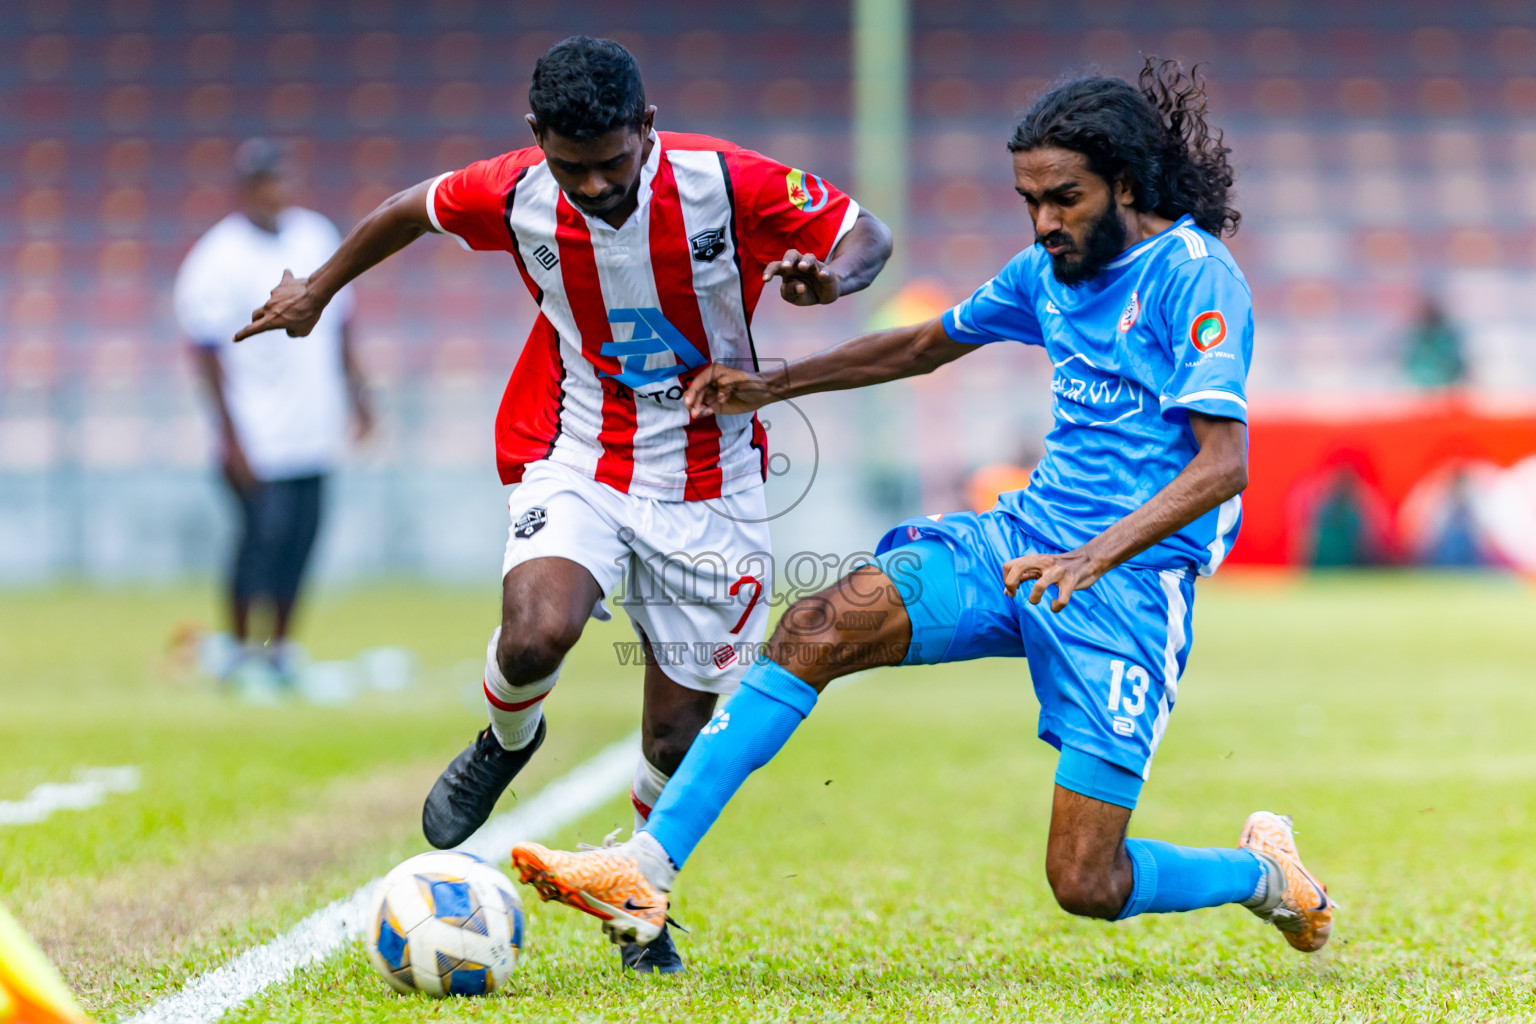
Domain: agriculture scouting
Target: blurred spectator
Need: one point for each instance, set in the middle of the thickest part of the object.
(1433, 358)
(1349, 526)
(1456, 542)
(280, 403)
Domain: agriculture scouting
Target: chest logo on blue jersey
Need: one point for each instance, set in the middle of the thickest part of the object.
(1091, 397)
(653, 334)
(1131, 314)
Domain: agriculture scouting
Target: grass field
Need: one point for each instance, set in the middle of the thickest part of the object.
(888, 866)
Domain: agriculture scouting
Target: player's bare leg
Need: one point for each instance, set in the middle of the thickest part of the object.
(1094, 872)
(860, 622)
(545, 605)
(1085, 858)
(857, 623)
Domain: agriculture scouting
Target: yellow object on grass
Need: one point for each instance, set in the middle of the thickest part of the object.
(31, 991)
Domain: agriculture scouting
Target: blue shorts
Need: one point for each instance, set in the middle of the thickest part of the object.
(1105, 669)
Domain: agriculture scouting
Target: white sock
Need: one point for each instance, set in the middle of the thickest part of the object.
(515, 711)
(655, 865)
(1267, 894)
(644, 789)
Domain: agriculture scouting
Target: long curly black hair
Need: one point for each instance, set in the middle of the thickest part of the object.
(1153, 135)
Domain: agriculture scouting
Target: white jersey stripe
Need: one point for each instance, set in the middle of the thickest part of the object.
(706, 208)
(581, 414)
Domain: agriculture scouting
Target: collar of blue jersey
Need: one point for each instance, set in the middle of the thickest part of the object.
(1140, 249)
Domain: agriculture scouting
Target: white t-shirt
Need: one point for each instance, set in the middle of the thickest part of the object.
(287, 397)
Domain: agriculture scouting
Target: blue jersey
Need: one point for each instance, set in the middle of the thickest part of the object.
(1166, 328)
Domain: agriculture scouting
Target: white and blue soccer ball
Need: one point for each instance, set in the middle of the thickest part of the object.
(446, 924)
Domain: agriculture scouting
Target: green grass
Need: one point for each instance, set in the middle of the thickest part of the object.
(890, 864)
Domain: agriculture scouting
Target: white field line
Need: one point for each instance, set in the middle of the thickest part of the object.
(91, 787)
(207, 997)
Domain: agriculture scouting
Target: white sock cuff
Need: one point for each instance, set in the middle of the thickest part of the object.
(645, 788)
(496, 683)
(514, 711)
(648, 781)
(653, 860)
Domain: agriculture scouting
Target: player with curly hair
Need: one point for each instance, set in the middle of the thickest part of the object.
(1088, 572)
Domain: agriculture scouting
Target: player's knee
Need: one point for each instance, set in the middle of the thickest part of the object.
(817, 636)
(525, 654)
(1085, 893)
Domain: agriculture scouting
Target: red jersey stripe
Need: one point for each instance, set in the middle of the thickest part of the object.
(528, 419)
(616, 465)
(672, 267)
(527, 427)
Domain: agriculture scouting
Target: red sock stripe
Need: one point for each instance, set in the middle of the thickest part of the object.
(520, 705)
(640, 807)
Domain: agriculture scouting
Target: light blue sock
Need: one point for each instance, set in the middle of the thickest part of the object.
(1172, 878)
(742, 737)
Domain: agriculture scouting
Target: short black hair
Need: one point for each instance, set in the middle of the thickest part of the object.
(585, 87)
(1153, 135)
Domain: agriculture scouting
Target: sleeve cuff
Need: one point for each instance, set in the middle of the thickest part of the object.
(437, 225)
(1212, 401)
(958, 327)
(849, 216)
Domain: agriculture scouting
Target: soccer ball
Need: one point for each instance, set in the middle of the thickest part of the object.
(446, 924)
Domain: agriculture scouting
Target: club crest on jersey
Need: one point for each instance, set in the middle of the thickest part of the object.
(530, 522)
(1131, 314)
(653, 334)
(807, 192)
(708, 245)
(1208, 330)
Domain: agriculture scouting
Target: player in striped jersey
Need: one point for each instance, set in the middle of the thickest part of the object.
(1088, 572)
(646, 252)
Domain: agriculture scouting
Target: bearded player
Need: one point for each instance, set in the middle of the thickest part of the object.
(1088, 572)
(646, 253)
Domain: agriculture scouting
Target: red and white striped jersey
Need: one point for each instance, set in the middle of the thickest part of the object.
(627, 315)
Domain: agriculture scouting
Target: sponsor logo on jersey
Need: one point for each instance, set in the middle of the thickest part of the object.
(708, 245)
(1093, 397)
(1208, 330)
(653, 334)
(724, 656)
(530, 522)
(1131, 313)
(807, 192)
(545, 257)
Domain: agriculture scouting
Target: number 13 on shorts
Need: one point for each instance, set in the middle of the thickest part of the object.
(1123, 705)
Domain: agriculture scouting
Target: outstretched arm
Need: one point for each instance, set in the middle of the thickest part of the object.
(1218, 472)
(858, 257)
(297, 302)
(857, 363)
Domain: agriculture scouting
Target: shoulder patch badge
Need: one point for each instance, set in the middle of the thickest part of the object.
(708, 245)
(1208, 330)
(807, 192)
(530, 522)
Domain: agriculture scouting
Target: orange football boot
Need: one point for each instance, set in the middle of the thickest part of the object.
(601, 882)
(1302, 909)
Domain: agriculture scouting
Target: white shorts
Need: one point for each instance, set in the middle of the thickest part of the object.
(697, 575)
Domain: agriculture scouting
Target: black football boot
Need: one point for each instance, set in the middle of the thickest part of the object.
(659, 956)
(467, 791)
